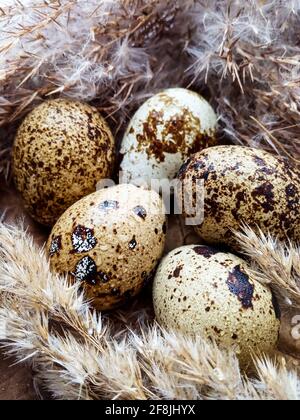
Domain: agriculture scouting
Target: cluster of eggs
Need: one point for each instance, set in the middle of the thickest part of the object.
(112, 240)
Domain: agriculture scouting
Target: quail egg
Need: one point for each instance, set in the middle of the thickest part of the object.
(243, 186)
(200, 290)
(111, 241)
(164, 132)
(62, 149)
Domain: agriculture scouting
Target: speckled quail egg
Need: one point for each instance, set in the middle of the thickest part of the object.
(200, 290)
(165, 130)
(111, 241)
(244, 185)
(62, 149)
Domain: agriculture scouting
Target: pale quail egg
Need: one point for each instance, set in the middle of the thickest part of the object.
(200, 290)
(164, 131)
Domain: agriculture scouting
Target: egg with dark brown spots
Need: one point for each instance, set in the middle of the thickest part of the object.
(200, 290)
(111, 242)
(61, 151)
(242, 185)
(165, 130)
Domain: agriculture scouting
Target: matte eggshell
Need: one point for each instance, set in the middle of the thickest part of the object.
(200, 290)
(244, 185)
(164, 132)
(62, 149)
(111, 241)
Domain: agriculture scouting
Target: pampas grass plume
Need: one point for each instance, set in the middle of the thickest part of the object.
(77, 354)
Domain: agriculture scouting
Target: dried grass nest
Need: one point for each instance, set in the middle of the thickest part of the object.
(245, 56)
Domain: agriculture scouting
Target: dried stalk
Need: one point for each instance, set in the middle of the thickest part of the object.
(77, 354)
(245, 55)
(273, 263)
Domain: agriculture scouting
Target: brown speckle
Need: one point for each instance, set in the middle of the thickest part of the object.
(177, 271)
(140, 211)
(103, 277)
(239, 284)
(184, 168)
(291, 190)
(55, 246)
(265, 191)
(178, 252)
(83, 239)
(205, 251)
(217, 330)
(133, 243)
(86, 270)
(175, 131)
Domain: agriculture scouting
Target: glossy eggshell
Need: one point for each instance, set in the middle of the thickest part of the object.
(244, 185)
(110, 241)
(165, 130)
(62, 149)
(200, 290)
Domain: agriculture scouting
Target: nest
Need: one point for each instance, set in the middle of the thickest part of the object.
(244, 57)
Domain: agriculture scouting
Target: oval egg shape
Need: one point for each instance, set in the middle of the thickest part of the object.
(61, 151)
(111, 242)
(200, 290)
(165, 130)
(243, 186)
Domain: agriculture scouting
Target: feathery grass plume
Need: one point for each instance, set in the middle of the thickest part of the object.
(274, 263)
(279, 382)
(248, 54)
(114, 53)
(21, 260)
(46, 320)
(118, 52)
(78, 354)
(107, 50)
(64, 365)
(180, 367)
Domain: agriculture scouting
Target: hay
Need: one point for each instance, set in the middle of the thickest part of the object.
(243, 55)
(78, 354)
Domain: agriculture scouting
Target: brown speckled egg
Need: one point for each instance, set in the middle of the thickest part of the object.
(165, 130)
(62, 149)
(111, 242)
(244, 185)
(199, 290)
